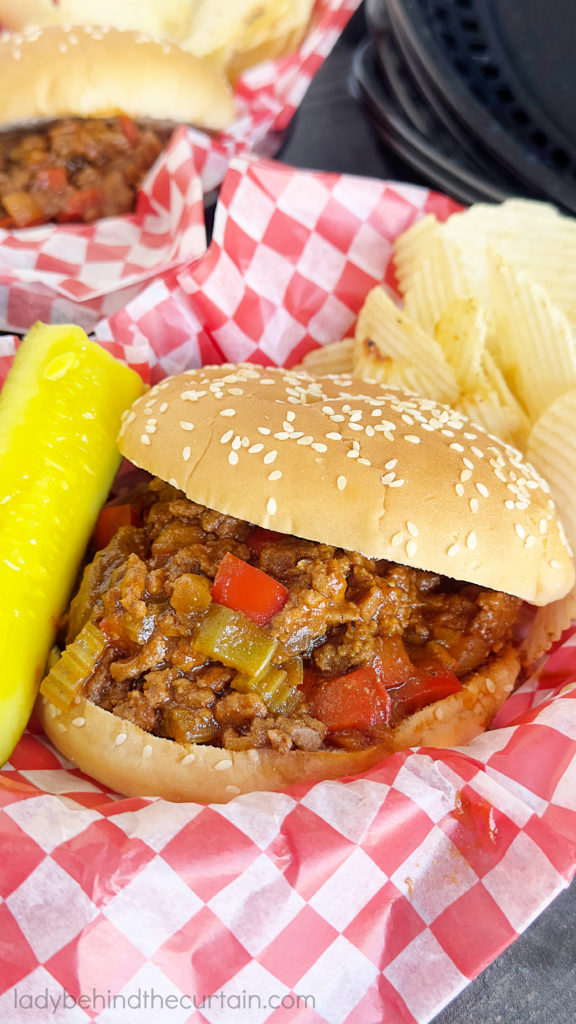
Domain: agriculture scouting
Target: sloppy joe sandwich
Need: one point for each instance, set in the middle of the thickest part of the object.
(317, 573)
(85, 112)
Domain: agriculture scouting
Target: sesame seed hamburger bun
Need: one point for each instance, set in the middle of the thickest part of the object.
(350, 464)
(101, 72)
(367, 468)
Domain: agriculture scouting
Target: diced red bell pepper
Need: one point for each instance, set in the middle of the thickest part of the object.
(244, 588)
(259, 538)
(81, 206)
(422, 688)
(53, 179)
(357, 700)
(128, 129)
(23, 209)
(111, 518)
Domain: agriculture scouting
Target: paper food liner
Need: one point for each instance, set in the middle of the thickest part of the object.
(366, 900)
(81, 273)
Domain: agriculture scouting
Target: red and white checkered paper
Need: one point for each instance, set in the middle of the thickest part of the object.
(81, 273)
(372, 900)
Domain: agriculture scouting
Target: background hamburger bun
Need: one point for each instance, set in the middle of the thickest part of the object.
(167, 19)
(128, 760)
(100, 72)
(358, 465)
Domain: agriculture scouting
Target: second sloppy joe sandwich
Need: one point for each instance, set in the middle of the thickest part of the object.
(320, 572)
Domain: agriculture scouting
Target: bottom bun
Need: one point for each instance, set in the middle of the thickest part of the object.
(126, 759)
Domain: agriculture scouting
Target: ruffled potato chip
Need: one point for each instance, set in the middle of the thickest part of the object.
(397, 339)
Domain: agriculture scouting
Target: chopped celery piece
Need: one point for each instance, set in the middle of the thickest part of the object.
(66, 677)
(187, 726)
(278, 695)
(60, 413)
(235, 640)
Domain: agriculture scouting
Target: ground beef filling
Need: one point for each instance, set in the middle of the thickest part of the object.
(75, 170)
(344, 611)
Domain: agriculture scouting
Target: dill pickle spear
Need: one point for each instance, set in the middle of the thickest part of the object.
(60, 412)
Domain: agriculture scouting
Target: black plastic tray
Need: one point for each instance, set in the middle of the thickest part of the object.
(426, 113)
(439, 38)
(444, 171)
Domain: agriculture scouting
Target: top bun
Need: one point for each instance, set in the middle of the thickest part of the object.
(358, 465)
(101, 72)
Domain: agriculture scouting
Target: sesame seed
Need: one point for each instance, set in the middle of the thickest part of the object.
(457, 447)
(412, 438)
(226, 437)
(490, 686)
(356, 426)
(439, 714)
(530, 541)
(471, 541)
(555, 564)
(145, 439)
(221, 766)
(319, 447)
(236, 443)
(79, 721)
(270, 456)
(391, 464)
(252, 754)
(227, 412)
(290, 415)
(188, 759)
(520, 531)
(185, 424)
(236, 391)
(327, 409)
(483, 490)
(411, 548)
(233, 458)
(474, 504)
(509, 503)
(271, 507)
(369, 431)
(341, 483)
(255, 448)
(543, 526)
(412, 529)
(305, 439)
(186, 452)
(173, 482)
(476, 451)
(364, 462)
(465, 475)
(283, 435)
(121, 738)
(453, 550)
(264, 430)
(146, 752)
(387, 478)
(355, 416)
(334, 436)
(336, 418)
(468, 463)
(276, 474)
(60, 726)
(397, 483)
(352, 454)
(163, 407)
(397, 540)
